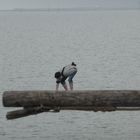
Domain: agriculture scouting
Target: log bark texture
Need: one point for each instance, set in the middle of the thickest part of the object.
(83, 98)
(25, 112)
(36, 110)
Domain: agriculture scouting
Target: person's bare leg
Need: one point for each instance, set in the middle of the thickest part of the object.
(71, 85)
(71, 80)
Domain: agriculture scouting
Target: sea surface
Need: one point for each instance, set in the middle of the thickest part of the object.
(105, 45)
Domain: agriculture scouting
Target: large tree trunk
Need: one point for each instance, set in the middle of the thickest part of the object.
(34, 102)
(83, 98)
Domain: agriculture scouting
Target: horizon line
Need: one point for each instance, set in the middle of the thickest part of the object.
(70, 9)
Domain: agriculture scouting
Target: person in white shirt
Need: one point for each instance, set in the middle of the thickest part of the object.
(69, 72)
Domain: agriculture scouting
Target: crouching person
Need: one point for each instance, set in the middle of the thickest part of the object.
(69, 72)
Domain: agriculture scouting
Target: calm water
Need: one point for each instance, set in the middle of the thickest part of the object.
(106, 47)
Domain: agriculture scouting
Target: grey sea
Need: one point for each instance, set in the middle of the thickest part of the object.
(105, 45)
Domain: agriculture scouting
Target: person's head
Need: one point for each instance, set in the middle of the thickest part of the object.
(57, 75)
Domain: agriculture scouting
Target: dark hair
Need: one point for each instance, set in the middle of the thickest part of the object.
(57, 75)
(73, 64)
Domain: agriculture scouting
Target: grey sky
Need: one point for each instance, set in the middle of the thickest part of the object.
(10, 4)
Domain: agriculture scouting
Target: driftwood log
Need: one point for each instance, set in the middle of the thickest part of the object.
(34, 102)
(71, 98)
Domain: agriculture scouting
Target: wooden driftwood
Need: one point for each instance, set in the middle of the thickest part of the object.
(34, 102)
(72, 98)
(36, 110)
(26, 112)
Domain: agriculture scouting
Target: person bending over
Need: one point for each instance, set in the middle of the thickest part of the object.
(69, 72)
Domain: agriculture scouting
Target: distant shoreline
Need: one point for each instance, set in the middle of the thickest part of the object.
(69, 9)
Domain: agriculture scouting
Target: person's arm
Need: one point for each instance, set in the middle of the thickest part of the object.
(65, 86)
(57, 86)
